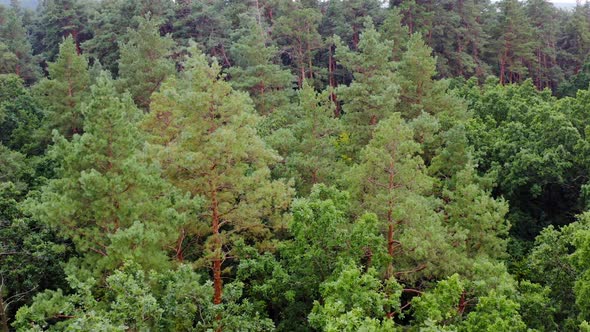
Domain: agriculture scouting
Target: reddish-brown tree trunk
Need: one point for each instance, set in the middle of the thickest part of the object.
(462, 304)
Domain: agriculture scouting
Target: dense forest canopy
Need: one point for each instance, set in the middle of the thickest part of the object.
(261, 165)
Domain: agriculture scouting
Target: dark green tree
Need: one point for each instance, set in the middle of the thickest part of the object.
(145, 62)
(256, 70)
(62, 94)
(56, 20)
(18, 56)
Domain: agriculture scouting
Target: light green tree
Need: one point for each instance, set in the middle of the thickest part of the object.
(203, 134)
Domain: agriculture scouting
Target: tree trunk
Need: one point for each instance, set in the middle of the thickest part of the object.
(217, 282)
(3, 315)
(390, 221)
(332, 81)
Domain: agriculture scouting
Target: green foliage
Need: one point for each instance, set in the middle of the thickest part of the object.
(513, 41)
(165, 202)
(525, 139)
(109, 201)
(144, 62)
(367, 100)
(298, 32)
(63, 93)
(469, 207)
(20, 116)
(440, 305)
(110, 22)
(255, 70)
(16, 55)
(306, 136)
(356, 300)
(494, 312)
(59, 19)
(134, 299)
(203, 133)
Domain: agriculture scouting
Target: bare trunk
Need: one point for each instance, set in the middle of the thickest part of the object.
(3, 315)
(217, 282)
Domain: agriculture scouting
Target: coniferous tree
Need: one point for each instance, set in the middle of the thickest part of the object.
(391, 181)
(393, 29)
(204, 134)
(63, 93)
(346, 19)
(144, 62)
(110, 23)
(58, 19)
(18, 48)
(207, 23)
(111, 203)
(545, 73)
(367, 100)
(256, 72)
(459, 38)
(574, 39)
(20, 116)
(514, 42)
(297, 32)
(307, 140)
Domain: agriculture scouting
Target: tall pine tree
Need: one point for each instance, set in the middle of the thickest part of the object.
(203, 133)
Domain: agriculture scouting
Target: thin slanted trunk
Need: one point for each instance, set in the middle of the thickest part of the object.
(217, 259)
(179, 250)
(3, 315)
(462, 303)
(301, 63)
(390, 221)
(74, 34)
(332, 81)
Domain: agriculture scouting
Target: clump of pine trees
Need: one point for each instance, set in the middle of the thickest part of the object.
(341, 165)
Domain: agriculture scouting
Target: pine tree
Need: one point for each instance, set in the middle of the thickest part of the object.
(546, 73)
(58, 19)
(206, 22)
(372, 96)
(14, 36)
(574, 39)
(204, 134)
(417, 15)
(109, 201)
(393, 29)
(515, 43)
(391, 181)
(459, 38)
(144, 62)
(256, 72)
(346, 19)
(438, 117)
(416, 70)
(63, 93)
(307, 140)
(20, 116)
(298, 32)
(110, 23)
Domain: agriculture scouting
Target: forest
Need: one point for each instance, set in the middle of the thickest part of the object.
(294, 165)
